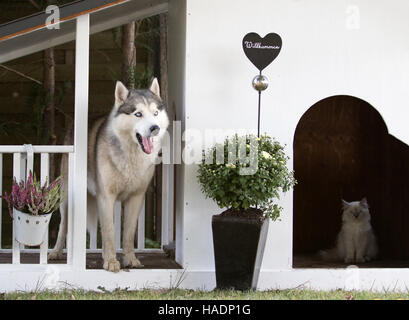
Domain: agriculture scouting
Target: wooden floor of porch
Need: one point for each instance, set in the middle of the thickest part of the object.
(94, 260)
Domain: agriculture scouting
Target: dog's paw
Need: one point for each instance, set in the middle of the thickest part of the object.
(129, 260)
(112, 265)
(55, 255)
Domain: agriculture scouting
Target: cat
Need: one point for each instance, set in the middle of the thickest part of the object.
(356, 242)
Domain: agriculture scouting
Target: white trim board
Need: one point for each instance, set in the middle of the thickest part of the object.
(51, 277)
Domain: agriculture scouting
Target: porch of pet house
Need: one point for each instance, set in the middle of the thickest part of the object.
(27, 158)
(82, 258)
(81, 254)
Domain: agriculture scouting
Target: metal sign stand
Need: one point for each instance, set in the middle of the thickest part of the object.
(261, 52)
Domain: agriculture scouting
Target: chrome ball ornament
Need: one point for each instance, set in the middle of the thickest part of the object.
(260, 82)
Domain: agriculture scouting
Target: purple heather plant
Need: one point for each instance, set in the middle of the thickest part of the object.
(32, 198)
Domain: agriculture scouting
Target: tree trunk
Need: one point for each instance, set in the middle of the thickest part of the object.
(49, 113)
(163, 24)
(128, 54)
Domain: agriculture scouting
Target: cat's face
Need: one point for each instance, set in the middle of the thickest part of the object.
(356, 210)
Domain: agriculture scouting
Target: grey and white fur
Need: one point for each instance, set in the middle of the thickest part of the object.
(356, 242)
(122, 150)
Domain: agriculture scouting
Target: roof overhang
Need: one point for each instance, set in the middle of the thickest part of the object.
(31, 34)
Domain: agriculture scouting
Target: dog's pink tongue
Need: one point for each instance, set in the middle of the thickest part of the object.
(147, 145)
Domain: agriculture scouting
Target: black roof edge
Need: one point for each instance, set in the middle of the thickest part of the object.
(38, 20)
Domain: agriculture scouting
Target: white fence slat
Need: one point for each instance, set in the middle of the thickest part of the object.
(19, 172)
(29, 164)
(1, 193)
(170, 209)
(45, 173)
(167, 204)
(79, 232)
(170, 190)
(30, 159)
(117, 223)
(165, 208)
(93, 231)
(141, 228)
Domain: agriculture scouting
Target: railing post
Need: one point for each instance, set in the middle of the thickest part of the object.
(45, 173)
(30, 159)
(80, 143)
(1, 192)
(92, 226)
(141, 228)
(167, 204)
(117, 223)
(167, 190)
(19, 172)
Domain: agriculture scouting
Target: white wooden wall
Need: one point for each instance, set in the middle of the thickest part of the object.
(357, 48)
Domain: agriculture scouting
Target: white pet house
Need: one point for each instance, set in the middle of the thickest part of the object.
(349, 61)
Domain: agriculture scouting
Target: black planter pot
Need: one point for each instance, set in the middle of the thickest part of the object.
(238, 251)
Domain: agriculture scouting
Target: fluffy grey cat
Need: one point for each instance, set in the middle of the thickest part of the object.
(356, 241)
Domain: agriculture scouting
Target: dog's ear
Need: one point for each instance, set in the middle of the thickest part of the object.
(121, 93)
(155, 87)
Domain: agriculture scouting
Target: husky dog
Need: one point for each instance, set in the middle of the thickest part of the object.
(122, 151)
(356, 241)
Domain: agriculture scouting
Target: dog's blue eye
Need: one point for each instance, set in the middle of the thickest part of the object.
(138, 114)
(156, 113)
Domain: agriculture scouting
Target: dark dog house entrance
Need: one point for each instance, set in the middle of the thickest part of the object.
(342, 150)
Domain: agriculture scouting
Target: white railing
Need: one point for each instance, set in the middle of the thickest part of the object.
(166, 220)
(23, 162)
(140, 233)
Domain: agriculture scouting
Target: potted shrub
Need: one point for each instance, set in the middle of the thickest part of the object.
(245, 175)
(31, 206)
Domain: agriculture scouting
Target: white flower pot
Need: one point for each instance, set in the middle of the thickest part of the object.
(30, 230)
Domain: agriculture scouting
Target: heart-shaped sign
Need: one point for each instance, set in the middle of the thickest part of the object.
(261, 51)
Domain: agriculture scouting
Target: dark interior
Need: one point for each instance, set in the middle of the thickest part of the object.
(342, 150)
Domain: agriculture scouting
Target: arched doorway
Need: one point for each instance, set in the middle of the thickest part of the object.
(342, 150)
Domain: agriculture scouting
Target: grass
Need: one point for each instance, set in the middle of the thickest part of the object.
(178, 294)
